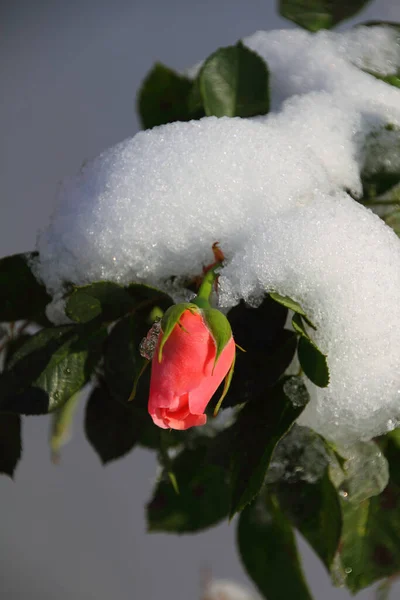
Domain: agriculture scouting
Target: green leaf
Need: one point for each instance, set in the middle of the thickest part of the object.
(370, 545)
(10, 443)
(267, 548)
(370, 548)
(259, 427)
(365, 471)
(61, 426)
(288, 302)
(166, 96)
(291, 305)
(393, 80)
(393, 220)
(203, 498)
(234, 82)
(313, 362)
(319, 14)
(21, 295)
(298, 323)
(49, 368)
(110, 426)
(103, 298)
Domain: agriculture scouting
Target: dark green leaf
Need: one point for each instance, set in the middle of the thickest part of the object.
(10, 442)
(319, 14)
(234, 82)
(103, 298)
(49, 368)
(111, 427)
(21, 295)
(380, 172)
(122, 359)
(256, 329)
(269, 349)
(267, 547)
(166, 96)
(370, 545)
(313, 362)
(122, 362)
(299, 473)
(14, 344)
(380, 23)
(147, 297)
(260, 425)
(203, 498)
(314, 509)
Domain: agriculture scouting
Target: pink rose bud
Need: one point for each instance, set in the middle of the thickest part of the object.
(194, 352)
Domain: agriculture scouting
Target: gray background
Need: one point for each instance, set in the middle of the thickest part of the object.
(69, 73)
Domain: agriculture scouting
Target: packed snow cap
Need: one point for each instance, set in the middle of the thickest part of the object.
(273, 191)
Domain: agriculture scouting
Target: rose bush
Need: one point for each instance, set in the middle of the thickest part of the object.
(186, 370)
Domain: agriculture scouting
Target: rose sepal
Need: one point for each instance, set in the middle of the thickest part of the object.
(219, 327)
(170, 319)
(227, 384)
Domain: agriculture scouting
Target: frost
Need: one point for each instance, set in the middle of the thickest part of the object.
(299, 456)
(296, 392)
(366, 471)
(272, 191)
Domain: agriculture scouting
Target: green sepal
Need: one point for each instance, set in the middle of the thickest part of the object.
(227, 384)
(170, 319)
(136, 380)
(220, 329)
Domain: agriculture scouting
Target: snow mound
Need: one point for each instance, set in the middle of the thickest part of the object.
(272, 191)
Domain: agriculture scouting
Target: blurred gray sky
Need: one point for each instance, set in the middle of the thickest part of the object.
(69, 73)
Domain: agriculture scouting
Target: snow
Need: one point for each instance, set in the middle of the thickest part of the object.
(272, 191)
(221, 589)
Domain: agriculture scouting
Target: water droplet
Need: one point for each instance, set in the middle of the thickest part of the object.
(343, 494)
(67, 371)
(348, 570)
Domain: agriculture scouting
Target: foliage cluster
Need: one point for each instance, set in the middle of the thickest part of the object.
(255, 461)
